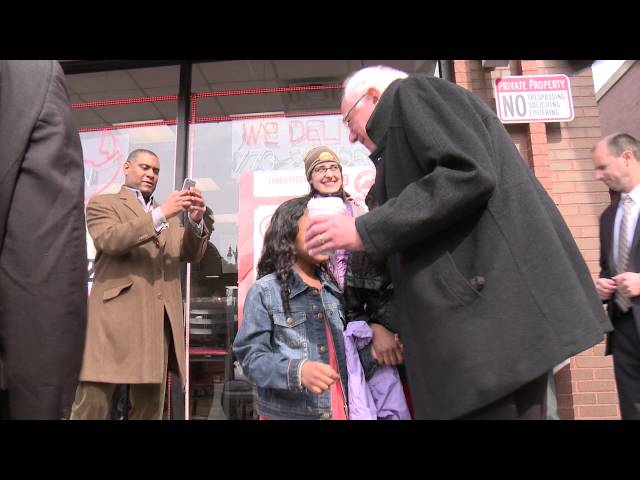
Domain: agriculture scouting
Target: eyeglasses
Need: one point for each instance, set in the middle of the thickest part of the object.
(346, 118)
(322, 170)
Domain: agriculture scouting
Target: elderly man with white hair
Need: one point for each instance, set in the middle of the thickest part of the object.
(492, 290)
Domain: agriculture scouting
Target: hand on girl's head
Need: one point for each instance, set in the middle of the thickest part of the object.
(317, 377)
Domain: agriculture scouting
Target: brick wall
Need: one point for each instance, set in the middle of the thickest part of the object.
(560, 156)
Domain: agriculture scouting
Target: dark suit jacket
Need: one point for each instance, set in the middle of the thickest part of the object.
(43, 253)
(607, 263)
(491, 288)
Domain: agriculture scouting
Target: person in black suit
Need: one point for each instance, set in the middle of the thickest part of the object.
(616, 159)
(492, 290)
(43, 252)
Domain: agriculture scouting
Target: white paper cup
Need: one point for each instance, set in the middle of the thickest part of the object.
(326, 206)
(318, 206)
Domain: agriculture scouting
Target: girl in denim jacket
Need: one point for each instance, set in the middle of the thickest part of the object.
(290, 343)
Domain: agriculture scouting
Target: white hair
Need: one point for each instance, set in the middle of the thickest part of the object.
(378, 77)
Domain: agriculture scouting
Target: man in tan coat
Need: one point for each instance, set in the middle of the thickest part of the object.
(135, 306)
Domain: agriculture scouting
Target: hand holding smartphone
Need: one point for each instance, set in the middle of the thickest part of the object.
(188, 183)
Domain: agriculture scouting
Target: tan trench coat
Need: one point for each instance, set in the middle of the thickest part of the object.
(137, 277)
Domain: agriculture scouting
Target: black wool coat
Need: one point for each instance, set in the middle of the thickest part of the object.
(43, 251)
(491, 288)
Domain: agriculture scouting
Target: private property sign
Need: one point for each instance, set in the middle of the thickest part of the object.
(534, 98)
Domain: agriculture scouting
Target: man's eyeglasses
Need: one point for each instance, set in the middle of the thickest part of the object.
(346, 118)
(322, 170)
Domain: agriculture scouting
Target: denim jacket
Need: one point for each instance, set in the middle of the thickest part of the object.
(271, 346)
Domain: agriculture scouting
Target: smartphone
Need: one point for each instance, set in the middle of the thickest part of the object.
(188, 183)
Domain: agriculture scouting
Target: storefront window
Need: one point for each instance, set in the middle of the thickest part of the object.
(117, 112)
(253, 123)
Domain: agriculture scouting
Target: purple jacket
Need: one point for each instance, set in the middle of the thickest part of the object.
(381, 397)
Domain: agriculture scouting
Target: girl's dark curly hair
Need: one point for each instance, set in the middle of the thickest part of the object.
(279, 248)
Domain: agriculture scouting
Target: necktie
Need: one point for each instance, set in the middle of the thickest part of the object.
(623, 250)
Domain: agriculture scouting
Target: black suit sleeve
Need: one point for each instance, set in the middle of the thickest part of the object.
(43, 253)
(606, 239)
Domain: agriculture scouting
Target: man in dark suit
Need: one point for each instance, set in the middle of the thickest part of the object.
(617, 163)
(43, 252)
(491, 288)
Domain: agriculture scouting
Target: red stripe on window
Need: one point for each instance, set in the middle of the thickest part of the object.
(124, 101)
(257, 91)
(194, 106)
(122, 127)
(227, 118)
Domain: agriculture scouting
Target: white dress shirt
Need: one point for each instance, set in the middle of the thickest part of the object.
(631, 223)
(159, 220)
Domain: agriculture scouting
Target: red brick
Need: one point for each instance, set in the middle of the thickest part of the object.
(587, 243)
(596, 418)
(564, 401)
(564, 187)
(585, 197)
(585, 102)
(581, 81)
(595, 186)
(564, 373)
(590, 232)
(564, 389)
(598, 411)
(573, 176)
(538, 138)
(584, 399)
(561, 165)
(591, 255)
(594, 267)
(574, 220)
(566, 413)
(591, 112)
(540, 149)
(566, 210)
(604, 374)
(574, 132)
(584, 165)
(574, 153)
(599, 349)
(540, 160)
(594, 362)
(596, 208)
(582, 374)
(596, 386)
(582, 91)
(608, 398)
(460, 65)
(573, 143)
(537, 128)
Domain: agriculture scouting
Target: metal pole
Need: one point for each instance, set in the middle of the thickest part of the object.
(181, 172)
